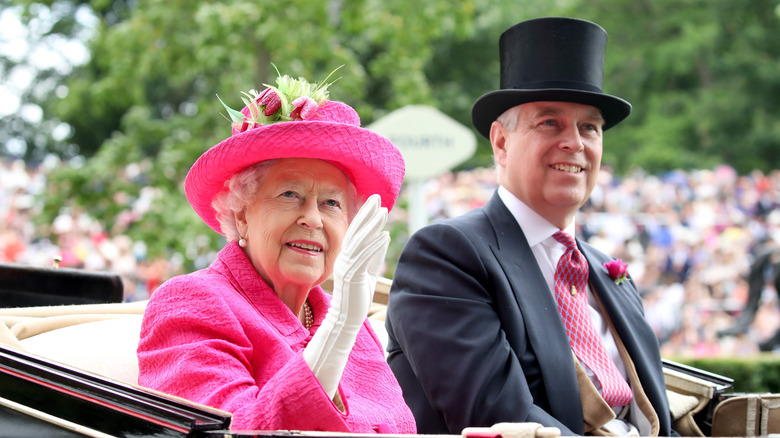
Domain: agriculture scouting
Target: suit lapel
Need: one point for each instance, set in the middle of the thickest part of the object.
(617, 300)
(545, 330)
(623, 306)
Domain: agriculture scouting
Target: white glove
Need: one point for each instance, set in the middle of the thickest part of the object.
(354, 282)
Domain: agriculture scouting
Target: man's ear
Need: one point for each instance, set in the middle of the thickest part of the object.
(498, 139)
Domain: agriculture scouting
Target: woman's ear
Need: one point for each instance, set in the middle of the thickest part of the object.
(241, 224)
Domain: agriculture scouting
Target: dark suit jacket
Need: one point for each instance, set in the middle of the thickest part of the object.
(475, 337)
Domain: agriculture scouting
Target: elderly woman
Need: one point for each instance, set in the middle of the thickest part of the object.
(254, 334)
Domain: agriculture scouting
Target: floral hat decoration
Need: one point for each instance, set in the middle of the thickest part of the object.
(296, 119)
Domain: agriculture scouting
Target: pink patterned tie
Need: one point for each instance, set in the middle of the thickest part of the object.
(571, 276)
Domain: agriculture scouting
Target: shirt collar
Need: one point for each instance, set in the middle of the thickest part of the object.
(536, 228)
(233, 263)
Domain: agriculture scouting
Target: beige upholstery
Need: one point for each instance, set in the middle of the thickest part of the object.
(99, 338)
(106, 347)
(102, 338)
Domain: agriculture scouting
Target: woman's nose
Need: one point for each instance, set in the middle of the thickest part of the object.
(310, 216)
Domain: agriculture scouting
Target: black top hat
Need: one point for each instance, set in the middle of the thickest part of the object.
(550, 59)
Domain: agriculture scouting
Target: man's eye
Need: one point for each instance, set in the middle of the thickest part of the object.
(592, 127)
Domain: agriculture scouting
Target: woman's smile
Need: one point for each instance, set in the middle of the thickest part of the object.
(296, 223)
(305, 247)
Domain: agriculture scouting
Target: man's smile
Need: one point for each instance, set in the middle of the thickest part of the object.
(568, 168)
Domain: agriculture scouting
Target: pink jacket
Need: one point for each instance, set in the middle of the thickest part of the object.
(222, 338)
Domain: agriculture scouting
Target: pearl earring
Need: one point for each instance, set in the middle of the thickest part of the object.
(242, 242)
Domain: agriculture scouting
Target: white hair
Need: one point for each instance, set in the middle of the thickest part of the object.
(508, 119)
(241, 192)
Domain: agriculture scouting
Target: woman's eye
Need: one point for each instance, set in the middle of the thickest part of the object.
(333, 203)
(288, 194)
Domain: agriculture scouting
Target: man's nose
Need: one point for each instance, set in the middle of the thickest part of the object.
(571, 139)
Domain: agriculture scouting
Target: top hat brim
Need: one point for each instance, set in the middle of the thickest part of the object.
(491, 105)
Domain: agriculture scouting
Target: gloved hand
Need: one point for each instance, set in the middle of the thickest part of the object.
(354, 281)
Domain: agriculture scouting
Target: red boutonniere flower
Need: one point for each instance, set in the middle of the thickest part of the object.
(617, 270)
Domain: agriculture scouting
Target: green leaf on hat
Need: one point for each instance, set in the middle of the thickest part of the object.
(235, 116)
(288, 89)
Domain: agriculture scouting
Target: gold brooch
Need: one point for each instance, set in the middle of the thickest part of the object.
(573, 291)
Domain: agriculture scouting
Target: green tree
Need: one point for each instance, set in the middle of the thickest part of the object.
(702, 77)
(33, 129)
(700, 73)
(148, 94)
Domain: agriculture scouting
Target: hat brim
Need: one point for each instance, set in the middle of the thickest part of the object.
(371, 162)
(491, 105)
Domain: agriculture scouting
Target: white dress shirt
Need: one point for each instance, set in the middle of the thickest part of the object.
(538, 231)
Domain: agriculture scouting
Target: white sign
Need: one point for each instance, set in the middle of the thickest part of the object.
(430, 141)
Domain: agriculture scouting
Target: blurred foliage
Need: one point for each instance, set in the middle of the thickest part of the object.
(148, 94)
(702, 77)
(701, 74)
(751, 374)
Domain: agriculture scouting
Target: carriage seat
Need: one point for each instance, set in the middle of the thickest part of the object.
(102, 338)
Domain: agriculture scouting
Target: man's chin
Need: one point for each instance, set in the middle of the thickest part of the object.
(569, 200)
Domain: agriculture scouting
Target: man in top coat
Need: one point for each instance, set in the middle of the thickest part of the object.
(502, 315)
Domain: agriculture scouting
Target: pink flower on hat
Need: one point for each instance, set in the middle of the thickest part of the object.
(290, 100)
(617, 270)
(307, 124)
(269, 101)
(305, 107)
(241, 126)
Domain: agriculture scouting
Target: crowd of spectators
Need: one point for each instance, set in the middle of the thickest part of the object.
(79, 240)
(689, 239)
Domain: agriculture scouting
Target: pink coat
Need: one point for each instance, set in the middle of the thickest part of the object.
(222, 338)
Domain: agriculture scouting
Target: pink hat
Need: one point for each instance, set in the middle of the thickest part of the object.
(296, 120)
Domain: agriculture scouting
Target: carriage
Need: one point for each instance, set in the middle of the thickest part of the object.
(68, 369)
